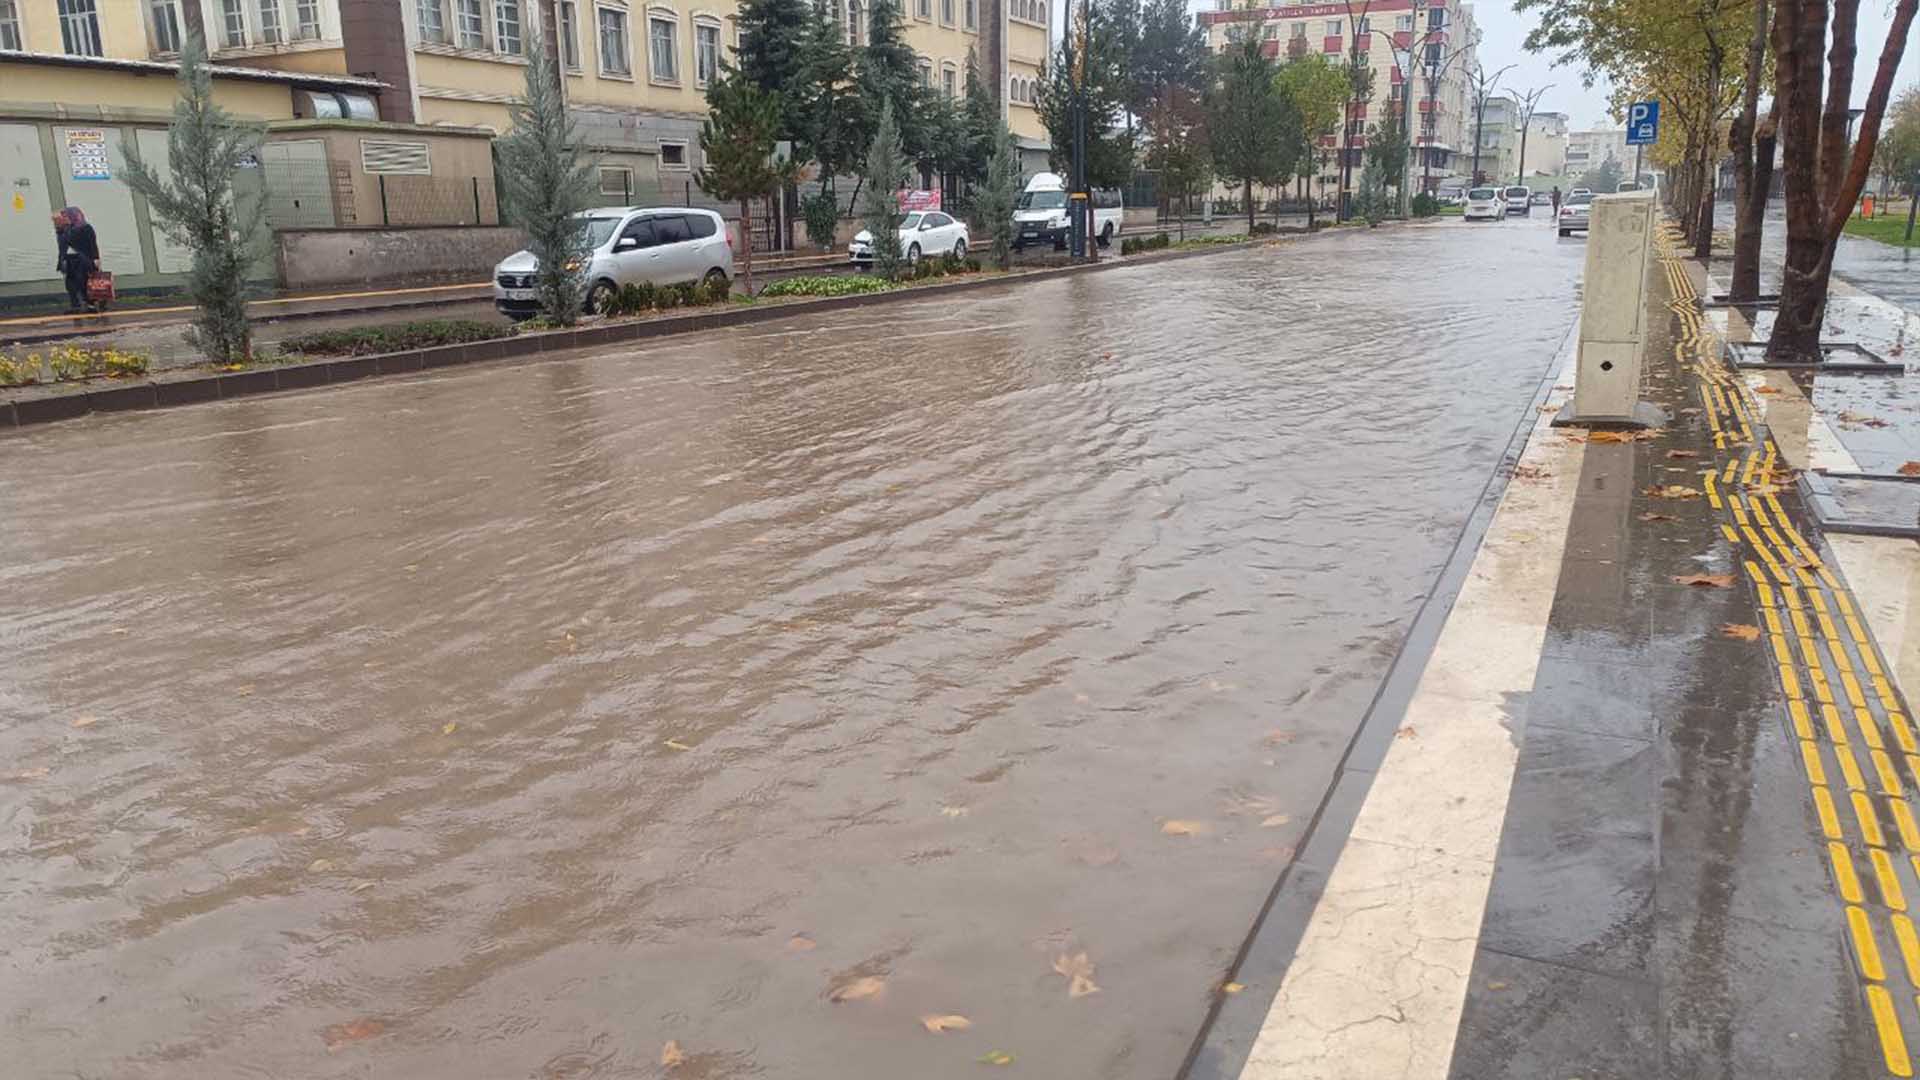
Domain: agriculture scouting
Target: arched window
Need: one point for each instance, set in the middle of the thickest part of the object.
(854, 26)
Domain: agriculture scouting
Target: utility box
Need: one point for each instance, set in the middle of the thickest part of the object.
(1613, 313)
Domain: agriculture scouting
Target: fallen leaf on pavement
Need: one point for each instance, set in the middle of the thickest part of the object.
(1496, 985)
(953, 811)
(1407, 732)
(1766, 389)
(1232, 987)
(1079, 972)
(85, 721)
(1911, 468)
(1683, 453)
(865, 986)
(1178, 827)
(1652, 516)
(1705, 581)
(1274, 821)
(1549, 408)
(449, 727)
(1530, 472)
(996, 1057)
(1618, 436)
(670, 1055)
(1741, 631)
(1673, 491)
(938, 1024)
(1279, 738)
(339, 1035)
(801, 943)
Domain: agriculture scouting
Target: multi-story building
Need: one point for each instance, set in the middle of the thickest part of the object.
(1496, 127)
(1546, 144)
(1425, 44)
(1588, 150)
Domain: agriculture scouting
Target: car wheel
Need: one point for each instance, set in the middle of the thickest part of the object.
(1564, 233)
(599, 296)
(913, 255)
(960, 248)
(1106, 235)
(715, 274)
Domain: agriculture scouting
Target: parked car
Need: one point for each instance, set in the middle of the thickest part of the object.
(1573, 213)
(627, 245)
(1581, 191)
(1040, 217)
(923, 233)
(1542, 198)
(1485, 203)
(1517, 198)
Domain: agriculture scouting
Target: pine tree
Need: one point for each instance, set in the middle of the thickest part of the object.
(736, 141)
(981, 119)
(886, 174)
(1109, 146)
(197, 207)
(773, 34)
(826, 114)
(545, 184)
(999, 194)
(1370, 202)
(1254, 128)
(888, 72)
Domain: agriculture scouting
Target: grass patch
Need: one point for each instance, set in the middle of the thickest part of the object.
(369, 340)
(1450, 211)
(1887, 228)
(825, 285)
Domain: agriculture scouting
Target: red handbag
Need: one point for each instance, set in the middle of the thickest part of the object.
(100, 286)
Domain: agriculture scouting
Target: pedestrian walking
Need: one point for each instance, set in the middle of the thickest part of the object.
(1556, 202)
(79, 255)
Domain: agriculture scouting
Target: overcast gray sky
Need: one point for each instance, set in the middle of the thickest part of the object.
(1504, 31)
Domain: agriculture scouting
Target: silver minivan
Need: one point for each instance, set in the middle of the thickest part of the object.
(628, 245)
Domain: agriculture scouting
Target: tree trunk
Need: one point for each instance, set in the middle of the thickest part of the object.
(1799, 31)
(1750, 209)
(1249, 197)
(1747, 225)
(746, 240)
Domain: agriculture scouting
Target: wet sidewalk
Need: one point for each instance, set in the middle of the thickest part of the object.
(1649, 812)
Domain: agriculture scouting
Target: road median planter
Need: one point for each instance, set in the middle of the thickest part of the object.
(65, 401)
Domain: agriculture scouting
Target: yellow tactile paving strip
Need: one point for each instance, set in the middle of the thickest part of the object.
(1857, 742)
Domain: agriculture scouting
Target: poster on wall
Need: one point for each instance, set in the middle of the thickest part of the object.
(87, 154)
(912, 199)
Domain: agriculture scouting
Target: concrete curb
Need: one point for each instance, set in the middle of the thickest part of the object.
(219, 386)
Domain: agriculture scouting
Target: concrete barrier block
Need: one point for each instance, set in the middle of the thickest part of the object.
(1613, 311)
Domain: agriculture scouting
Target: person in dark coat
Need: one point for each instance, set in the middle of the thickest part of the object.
(79, 255)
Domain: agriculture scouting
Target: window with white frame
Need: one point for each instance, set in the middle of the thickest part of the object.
(433, 21)
(1335, 28)
(673, 156)
(706, 52)
(950, 81)
(663, 51)
(270, 33)
(1361, 26)
(1403, 22)
(855, 27)
(616, 54)
(9, 26)
(306, 20)
(506, 27)
(165, 15)
(1299, 32)
(79, 28)
(923, 8)
(971, 9)
(570, 35)
(926, 73)
(233, 23)
(470, 23)
(1270, 32)
(946, 12)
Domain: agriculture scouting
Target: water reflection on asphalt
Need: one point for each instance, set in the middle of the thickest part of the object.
(516, 721)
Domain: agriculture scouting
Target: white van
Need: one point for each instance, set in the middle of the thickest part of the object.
(627, 245)
(1041, 215)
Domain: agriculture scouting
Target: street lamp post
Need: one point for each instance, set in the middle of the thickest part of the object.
(1078, 202)
(1529, 101)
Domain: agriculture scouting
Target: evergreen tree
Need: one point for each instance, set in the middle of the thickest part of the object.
(981, 120)
(828, 118)
(1370, 202)
(888, 72)
(772, 36)
(197, 207)
(736, 139)
(1254, 129)
(545, 183)
(999, 195)
(944, 143)
(1387, 152)
(1177, 147)
(886, 174)
(1171, 50)
(1109, 145)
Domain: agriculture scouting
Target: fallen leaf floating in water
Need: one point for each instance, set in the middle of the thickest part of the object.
(339, 1035)
(1652, 516)
(1911, 468)
(85, 721)
(1673, 491)
(34, 773)
(1705, 581)
(1079, 972)
(449, 727)
(801, 943)
(996, 1057)
(670, 1055)
(1178, 827)
(1274, 821)
(1683, 453)
(1496, 985)
(1741, 631)
(865, 986)
(676, 744)
(953, 811)
(950, 1022)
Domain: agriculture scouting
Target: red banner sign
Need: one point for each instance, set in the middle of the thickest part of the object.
(912, 199)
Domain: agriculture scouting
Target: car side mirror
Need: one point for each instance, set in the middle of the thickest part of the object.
(626, 243)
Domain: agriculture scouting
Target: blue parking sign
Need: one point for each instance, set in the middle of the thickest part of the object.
(1643, 123)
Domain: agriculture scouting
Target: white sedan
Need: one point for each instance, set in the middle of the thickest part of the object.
(923, 234)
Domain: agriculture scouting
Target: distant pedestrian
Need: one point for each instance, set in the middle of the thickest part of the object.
(79, 255)
(1556, 200)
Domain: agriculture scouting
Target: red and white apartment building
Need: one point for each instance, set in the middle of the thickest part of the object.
(1406, 42)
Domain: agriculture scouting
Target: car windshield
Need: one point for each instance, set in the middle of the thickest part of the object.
(1043, 200)
(911, 221)
(1480, 193)
(599, 229)
(1516, 193)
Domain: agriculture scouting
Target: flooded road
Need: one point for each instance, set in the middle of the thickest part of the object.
(517, 721)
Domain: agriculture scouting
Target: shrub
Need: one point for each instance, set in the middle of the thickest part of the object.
(67, 362)
(632, 299)
(1130, 245)
(824, 285)
(1263, 228)
(689, 295)
(821, 212)
(716, 291)
(1425, 205)
(367, 340)
(20, 371)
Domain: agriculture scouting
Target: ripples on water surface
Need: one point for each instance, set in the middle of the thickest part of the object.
(520, 718)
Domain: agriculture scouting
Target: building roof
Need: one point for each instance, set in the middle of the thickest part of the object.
(219, 71)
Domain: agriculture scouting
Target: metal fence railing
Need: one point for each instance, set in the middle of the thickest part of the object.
(436, 200)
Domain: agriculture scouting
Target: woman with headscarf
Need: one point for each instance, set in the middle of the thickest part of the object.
(79, 255)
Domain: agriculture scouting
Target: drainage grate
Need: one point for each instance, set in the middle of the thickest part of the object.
(1862, 503)
(1837, 356)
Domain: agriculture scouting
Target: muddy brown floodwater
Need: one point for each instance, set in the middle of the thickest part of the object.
(514, 722)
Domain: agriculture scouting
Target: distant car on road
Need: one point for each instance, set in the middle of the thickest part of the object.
(1485, 203)
(1628, 185)
(1517, 198)
(627, 245)
(1587, 191)
(1542, 198)
(923, 234)
(1573, 213)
